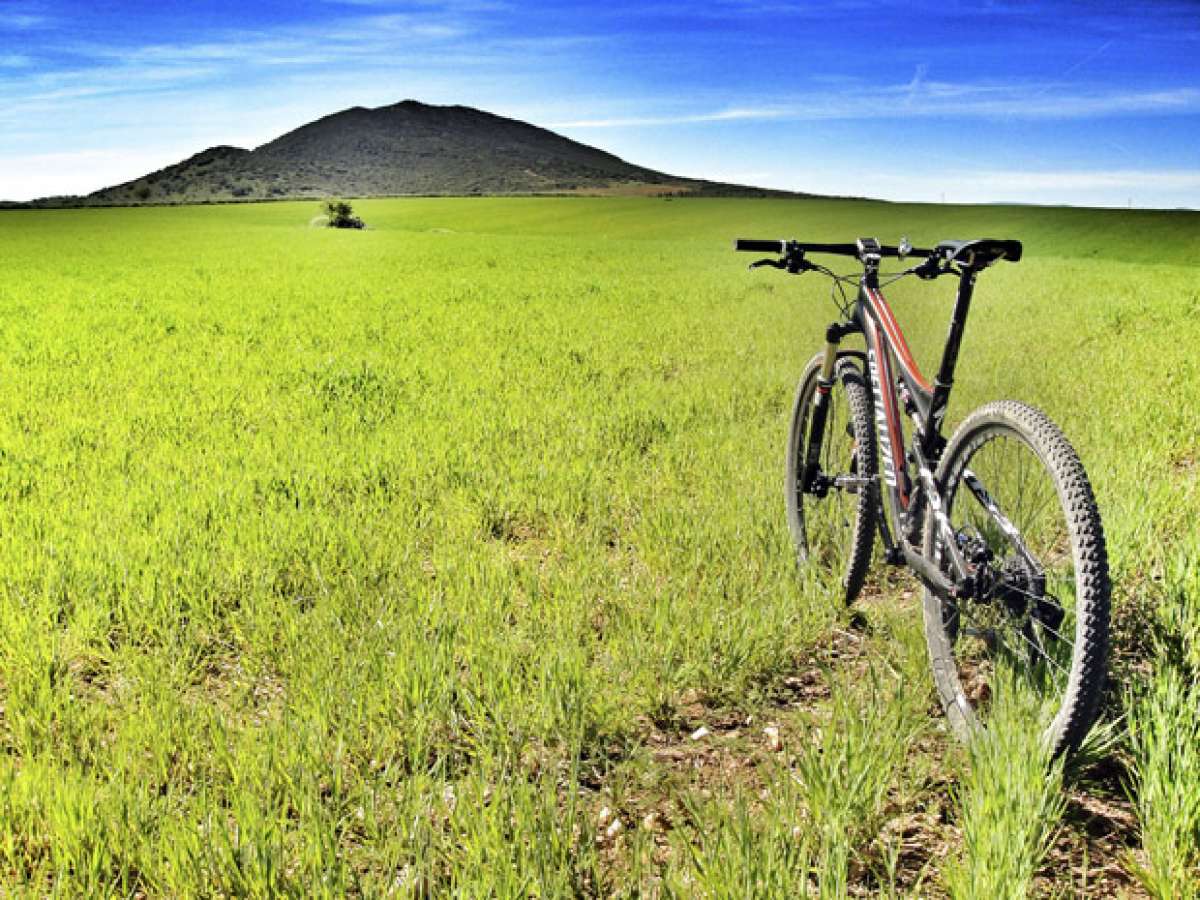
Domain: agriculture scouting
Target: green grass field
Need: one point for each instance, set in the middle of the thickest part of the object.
(408, 561)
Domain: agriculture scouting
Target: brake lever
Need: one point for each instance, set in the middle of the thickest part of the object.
(773, 263)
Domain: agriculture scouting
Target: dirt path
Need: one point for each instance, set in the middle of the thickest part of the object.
(646, 808)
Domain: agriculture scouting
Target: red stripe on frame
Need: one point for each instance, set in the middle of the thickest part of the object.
(896, 336)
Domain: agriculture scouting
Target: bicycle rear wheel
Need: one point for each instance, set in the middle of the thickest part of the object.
(837, 530)
(1023, 515)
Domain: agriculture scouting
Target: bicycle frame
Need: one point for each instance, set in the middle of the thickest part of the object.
(898, 386)
(987, 598)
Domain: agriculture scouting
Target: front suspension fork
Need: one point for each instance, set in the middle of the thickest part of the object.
(814, 481)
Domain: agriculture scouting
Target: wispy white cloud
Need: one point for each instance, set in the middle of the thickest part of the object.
(437, 36)
(44, 92)
(365, 57)
(101, 80)
(1152, 188)
(914, 86)
(751, 9)
(923, 98)
(725, 115)
(356, 39)
(21, 21)
(24, 15)
(469, 6)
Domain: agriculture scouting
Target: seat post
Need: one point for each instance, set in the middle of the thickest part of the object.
(944, 379)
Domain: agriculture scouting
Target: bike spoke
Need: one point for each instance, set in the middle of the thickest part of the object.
(1040, 650)
(997, 635)
(1009, 511)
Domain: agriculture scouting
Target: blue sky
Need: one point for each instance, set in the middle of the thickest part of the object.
(1048, 102)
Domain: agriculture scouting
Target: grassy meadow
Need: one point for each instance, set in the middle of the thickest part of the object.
(450, 557)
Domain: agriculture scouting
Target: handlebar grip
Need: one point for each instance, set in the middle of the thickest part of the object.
(750, 245)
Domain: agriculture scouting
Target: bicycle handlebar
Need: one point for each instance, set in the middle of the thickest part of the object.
(975, 254)
(751, 245)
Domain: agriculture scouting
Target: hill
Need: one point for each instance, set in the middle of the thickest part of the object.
(404, 149)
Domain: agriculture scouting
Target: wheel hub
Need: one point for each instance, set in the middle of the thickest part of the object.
(1012, 583)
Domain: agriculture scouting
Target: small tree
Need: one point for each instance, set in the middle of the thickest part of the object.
(341, 214)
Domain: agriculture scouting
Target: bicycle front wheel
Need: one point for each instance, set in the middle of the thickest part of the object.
(835, 529)
(1024, 517)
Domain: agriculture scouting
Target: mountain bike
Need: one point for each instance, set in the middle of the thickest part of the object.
(999, 523)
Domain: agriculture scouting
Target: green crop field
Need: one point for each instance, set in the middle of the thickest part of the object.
(450, 557)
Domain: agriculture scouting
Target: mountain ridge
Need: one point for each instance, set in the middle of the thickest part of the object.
(405, 149)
